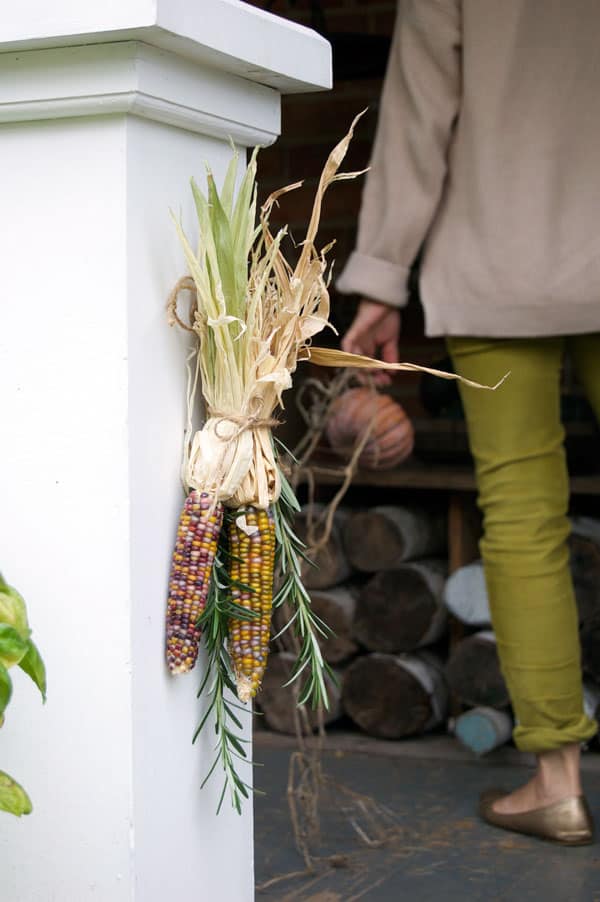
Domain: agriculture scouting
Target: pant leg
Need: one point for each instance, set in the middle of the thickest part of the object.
(585, 351)
(516, 438)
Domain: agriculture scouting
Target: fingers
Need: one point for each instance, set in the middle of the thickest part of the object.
(359, 339)
(374, 332)
(364, 344)
(389, 351)
(372, 377)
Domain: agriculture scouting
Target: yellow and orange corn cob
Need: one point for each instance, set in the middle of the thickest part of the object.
(251, 564)
(191, 567)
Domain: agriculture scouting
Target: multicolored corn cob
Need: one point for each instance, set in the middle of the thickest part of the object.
(252, 550)
(191, 567)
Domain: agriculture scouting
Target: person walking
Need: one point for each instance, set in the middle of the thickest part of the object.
(485, 157)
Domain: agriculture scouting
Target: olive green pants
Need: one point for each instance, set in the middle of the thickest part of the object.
(516, 438)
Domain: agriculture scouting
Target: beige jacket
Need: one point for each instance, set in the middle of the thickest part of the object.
(488, 150)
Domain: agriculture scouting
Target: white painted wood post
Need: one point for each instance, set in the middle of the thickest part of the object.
(107, 108)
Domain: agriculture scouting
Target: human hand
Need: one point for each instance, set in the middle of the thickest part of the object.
(375, 332)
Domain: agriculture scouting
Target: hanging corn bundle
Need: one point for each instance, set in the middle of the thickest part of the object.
(253, 316)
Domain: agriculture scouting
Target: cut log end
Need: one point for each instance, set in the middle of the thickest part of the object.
(384, 537)
(330, 565)
(336, 607)
(278, 701)
(401, 610)
(585, 567)
(590, 646)
(383, 699)
(474, 675)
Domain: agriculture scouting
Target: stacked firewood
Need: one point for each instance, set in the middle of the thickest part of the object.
(381, 583)
(378, 583)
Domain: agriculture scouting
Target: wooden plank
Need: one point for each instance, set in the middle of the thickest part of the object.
(415, 476)
(436, 478)
(464, 531)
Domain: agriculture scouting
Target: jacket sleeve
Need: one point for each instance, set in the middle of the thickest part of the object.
(419, 105)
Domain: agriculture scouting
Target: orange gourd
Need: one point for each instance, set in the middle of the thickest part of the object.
(391, 438)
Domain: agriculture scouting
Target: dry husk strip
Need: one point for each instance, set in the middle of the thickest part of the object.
(333, 357)
(254, 317)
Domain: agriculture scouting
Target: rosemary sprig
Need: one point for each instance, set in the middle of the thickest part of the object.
(219, 679)
(306, 624)
(219, 682)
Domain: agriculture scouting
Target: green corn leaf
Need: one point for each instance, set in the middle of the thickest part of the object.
(196, 270)
(221, 231)
(12, 609)
(12, 645)
(201, 206)
(229, 183)
(5, 688)
(31, 663)
(242, 209)
(207, 245)
(13, 797)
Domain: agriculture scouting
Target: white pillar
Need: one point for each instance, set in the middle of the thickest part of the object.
(97, 141)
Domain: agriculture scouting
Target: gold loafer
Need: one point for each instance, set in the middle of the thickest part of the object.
(568, 822)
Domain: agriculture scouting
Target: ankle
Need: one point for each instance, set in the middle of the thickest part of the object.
(558, 773)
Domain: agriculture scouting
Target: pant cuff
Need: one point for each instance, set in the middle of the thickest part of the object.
(544, 739)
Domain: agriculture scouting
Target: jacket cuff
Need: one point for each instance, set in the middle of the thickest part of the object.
(376, 279)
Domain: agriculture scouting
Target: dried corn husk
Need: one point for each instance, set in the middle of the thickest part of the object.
(254, 317)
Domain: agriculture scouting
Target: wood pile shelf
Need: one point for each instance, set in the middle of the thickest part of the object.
(433, 476)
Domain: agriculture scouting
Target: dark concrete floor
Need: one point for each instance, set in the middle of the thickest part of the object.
(437, 850)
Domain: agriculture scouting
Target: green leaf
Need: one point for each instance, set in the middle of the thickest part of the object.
(287, 493)
(228, 188)
(12, 645)
(221, 231)
(32, 664)
(13, 797)
(5, 689)
(243, 206)
(12, 609)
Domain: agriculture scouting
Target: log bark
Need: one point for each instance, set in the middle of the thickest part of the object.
(402, 610)
(330, 563)
(278, 702)
(473, 673)
(391, 696)
(382, 538)
(337, 608)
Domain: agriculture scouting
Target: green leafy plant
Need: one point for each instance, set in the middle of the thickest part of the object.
(16, 649)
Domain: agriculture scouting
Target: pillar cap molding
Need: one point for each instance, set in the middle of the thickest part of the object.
(137, 79)
(228, 35)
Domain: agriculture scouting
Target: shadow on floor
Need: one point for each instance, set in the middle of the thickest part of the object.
(438, 851)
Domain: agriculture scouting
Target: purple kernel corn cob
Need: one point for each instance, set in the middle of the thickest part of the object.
(191, 567)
